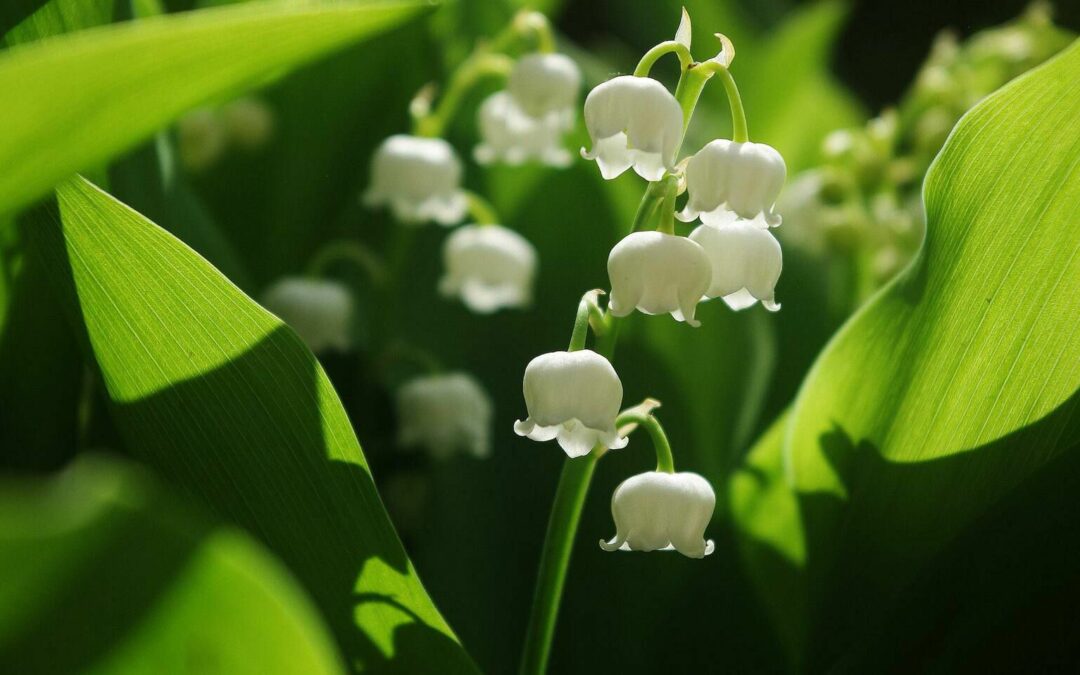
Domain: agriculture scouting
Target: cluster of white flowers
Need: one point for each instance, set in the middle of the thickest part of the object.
(418, 177)
(488, 266)
(528, 120)
(575, 397)
(732, 187)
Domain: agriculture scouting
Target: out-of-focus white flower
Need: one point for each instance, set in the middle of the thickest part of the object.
(658, 273)
(201, 138)
(445, 414)
(746, 262)
(489, 267)
(633, 122)
(727, 176)
(509, 135)
(573, 397)
(319, 311)
(419, 179)
(545, 84)
(249, 122)
(662, 511)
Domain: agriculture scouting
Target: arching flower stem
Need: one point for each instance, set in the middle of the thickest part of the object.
(524, 24)
(480, 65)
(664, 459)
(654, 196)
(401, 352)
(589, 315)
(653, 55)
(667, 206)
(366, 260)
(481, 210)
(739, 132)
(693, 82)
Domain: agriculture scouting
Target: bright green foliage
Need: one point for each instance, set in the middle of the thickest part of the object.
(225, 402)
(88, 96)
(105, 572)
(950, 393)
(57, 16)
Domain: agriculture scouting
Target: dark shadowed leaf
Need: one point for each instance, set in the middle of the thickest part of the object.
(950, 395)
(225, 402)
(106, 572)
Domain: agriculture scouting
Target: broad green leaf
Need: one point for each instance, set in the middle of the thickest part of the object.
(104, 95)
(105, 572)
(955, 388)
(150, 181)
(224, 401)
(51, 18)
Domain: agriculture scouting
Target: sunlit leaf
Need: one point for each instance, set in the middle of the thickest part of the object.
(224, 401)
(105, 572)
(948, 395)
(31, 20)
(88, 96)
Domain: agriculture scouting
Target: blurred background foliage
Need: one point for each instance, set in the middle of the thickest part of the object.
(473, 529)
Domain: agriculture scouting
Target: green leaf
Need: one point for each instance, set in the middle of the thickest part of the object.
(50, 18)
(224, 401)
(104, 95)
(105, 572)
(948, 395)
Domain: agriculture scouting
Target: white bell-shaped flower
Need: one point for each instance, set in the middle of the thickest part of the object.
(545, 85)
(445, 414)
(573, 397)
(746, 262)
(489, 267)
(745, 178)
(319, 311)
(658, 273)
(658, 511)
(419, 179)
(508, 135)
(633, 122)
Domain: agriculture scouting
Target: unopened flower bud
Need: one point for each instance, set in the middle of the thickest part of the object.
(319, 311)
(574, 398)
(445, 414)
(419, 179)
(658, 273)
(633, 122)
(658, 511)
(489, 267)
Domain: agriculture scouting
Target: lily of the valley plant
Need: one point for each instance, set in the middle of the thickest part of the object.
(575, 397)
